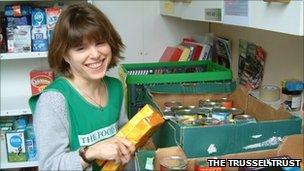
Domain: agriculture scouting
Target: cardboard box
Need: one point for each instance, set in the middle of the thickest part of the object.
(19, 39)
(291, 146)
(15, 146)
(196, 141)
(40, 79)
(138, 130)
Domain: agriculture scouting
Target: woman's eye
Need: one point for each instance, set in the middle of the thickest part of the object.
(100, 43)
(79, 48)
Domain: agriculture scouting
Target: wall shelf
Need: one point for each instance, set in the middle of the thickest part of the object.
(28, 55)
(14, 106)
(12, 165)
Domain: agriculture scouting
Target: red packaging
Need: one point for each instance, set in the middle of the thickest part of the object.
(40, 79)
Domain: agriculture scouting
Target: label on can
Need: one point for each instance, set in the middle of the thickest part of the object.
(173, 103)
(244, 119)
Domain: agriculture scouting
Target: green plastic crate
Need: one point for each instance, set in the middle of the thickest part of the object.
(174, 72)
(190, 76)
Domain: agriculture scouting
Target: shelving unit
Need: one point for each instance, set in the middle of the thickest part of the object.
(15, 82)
(14, 106)
(6, 165)
(29, 55)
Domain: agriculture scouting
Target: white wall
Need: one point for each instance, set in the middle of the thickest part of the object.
(144, 31)
(284, 52)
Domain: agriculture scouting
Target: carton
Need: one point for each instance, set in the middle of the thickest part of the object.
(15, 146)
(291, 146)
(197, 141)
(19, 39)
(39, 79)
(39, 30)
(138, 130)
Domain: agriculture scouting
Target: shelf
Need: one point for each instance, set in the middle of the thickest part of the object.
(12, 165)
(14, 106)
(28, 55)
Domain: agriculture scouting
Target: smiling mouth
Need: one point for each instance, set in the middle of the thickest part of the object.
(96, 65)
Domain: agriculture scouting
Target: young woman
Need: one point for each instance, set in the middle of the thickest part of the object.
(76, 117)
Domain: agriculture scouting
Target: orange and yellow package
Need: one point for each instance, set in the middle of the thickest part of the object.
(138, 130)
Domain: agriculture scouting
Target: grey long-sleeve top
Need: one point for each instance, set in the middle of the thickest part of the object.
(51, 128)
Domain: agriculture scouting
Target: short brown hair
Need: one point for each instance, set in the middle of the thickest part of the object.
(76, 23)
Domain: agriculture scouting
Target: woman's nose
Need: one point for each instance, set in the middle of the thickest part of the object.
(94, 52)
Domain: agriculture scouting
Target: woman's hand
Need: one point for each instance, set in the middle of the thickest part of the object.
(118, 149)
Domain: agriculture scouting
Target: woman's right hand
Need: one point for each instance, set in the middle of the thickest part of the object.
(118, 149)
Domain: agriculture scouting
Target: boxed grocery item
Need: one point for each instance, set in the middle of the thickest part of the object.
(18, 21)
(137, 130)
(19, 39)
(15, 146)
(38, 17)
(52, 15)
(39, 30)
(40, 79)
(39, 39)
(17, 10)
(219, 139)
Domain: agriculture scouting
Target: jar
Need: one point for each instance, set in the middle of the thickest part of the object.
(292, 99)
(173, 163)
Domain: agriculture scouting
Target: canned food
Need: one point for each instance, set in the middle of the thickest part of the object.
(189, 110)
(236, 111)
(202, 165)
(244, 119)
(221, 114)
(176, 108)
(168, 112)
(173, 103)
(209, 104)
(225, 102)
(212, 121)
(188, 120)
(202, 111)
(173, 163)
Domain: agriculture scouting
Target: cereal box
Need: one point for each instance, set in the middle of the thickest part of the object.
(40, 79)
(52, 15)
(19, 39)
(39, 39)
(15, 146)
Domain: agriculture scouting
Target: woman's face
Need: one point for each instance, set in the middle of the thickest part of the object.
(90, 60)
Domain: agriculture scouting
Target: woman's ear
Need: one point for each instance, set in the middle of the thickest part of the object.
(66, 59)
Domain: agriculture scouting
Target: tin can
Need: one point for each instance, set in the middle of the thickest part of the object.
(209, 104)
(187, 115)
(221, 114)
(170, 104)
(189, 110)
(173, 163)
(202, 165)
(244, 119)
(189, 120)
(211, 121)
(176, 108)
(225, 102)
(168, 112)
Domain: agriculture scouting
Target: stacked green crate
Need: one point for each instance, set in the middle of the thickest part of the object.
(185, 77)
